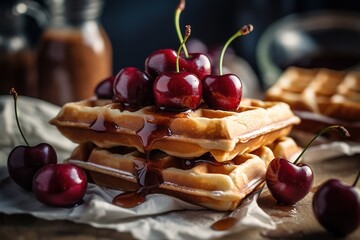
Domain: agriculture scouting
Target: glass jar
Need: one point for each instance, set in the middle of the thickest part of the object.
(16, 56)
(74, 52)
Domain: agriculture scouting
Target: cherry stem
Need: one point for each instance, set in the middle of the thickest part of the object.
(178, 11)
(187, 34)
(338, 128)
(356, 179)
(15, 94)
(243, 31)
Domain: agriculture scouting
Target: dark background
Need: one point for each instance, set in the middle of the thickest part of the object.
(136, 28)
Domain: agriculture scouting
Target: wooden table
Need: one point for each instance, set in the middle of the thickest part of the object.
(294, 222)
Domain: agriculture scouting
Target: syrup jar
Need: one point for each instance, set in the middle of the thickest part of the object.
(16, 55)
(74, 51)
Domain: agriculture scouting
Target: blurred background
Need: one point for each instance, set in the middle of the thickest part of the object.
(136, 28)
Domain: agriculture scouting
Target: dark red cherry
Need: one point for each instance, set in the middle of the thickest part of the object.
(224, 92)
(24, 161)
(133, 87)
(177, 91)
(164, 60)
(104, 90)
(61, 185)
(337, 207)
(160, 61)
(289, 182)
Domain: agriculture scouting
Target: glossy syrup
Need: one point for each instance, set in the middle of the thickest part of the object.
(148, 173)
(101, 125)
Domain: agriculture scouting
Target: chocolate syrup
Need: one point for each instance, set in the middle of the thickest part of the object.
(101, 125)
(224, 224)
(131, 199)
(206, 158)
(149, 172)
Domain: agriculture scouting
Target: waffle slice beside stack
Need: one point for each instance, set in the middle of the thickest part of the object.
(320, 97)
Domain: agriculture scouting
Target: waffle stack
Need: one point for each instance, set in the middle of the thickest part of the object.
(320, 97)
(207, 157)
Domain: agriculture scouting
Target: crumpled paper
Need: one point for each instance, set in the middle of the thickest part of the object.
(160, 217)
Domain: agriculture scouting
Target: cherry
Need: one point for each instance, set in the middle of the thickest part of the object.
(133, 87)
(164, 60)
(61, 185)
(224, 92)
(104, 89)
(290, 182)
(178, 90)
(337, 206)
(24, 161)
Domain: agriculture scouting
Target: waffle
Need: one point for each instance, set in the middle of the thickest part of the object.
(202, 181)
(190, 134)
(320, 97)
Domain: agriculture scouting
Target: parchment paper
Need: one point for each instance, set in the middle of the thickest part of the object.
(160, 217)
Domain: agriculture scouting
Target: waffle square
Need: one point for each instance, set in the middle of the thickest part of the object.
(327, 92)
(202, 181)
(190, 134)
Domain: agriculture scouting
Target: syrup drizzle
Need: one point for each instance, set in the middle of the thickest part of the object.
(149, 172)
(101, 125)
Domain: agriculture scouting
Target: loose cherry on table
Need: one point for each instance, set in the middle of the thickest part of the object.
(104, 89)
(24, 161)
(336, 206)
(133, 87)
(178, 90)
(224, 92)
(60, 185)
(290, 182)
(164, 60)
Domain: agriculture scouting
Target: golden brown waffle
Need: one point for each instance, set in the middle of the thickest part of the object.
(320, 97)
(331, 93)
(189, 134)
(202, 181)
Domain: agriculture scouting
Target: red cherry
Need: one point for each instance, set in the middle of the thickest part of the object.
(337, 207)
(224, 92)
(177, 91)
(61, 185)
(164, 60)
(289, 182)
(159, 61)
(104, 90)
(24, 161)
(133, 87)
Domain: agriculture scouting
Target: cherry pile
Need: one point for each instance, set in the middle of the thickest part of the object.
(35, 168)
(176, 80)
